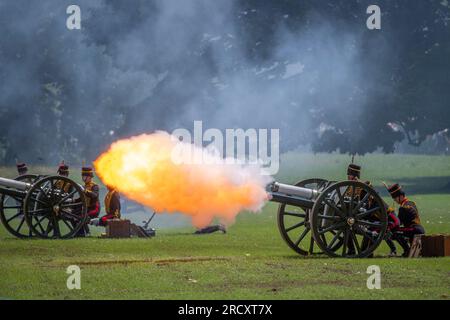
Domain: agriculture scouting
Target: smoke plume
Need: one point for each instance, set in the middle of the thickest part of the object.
(144, 169)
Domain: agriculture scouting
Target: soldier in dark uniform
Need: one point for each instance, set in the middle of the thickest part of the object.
(22, 168)
(63, 171)
(112, 208)
(354, 174)
(64, 186)
(91, 191)
(409, 218)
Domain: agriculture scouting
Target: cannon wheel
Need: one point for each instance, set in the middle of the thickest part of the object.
(55, 212)
(350, 212)
(292, 218)
(11, 211)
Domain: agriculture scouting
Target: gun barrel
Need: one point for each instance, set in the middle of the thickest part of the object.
(288, 189)
(14, 184)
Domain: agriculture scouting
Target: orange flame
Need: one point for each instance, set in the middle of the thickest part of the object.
(144, 170)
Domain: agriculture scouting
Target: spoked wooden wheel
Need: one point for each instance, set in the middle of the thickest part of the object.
(11, 211)
(293, 222)
(55, 207)
(351, 213)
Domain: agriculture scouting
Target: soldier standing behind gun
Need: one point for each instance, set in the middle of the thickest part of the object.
(91, 191)
(63, 171)
(354, 174)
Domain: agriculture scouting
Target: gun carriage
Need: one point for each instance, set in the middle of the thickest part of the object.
(343, 219)
(46, 207)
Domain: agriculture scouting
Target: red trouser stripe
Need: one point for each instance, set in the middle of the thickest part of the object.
(94, 212)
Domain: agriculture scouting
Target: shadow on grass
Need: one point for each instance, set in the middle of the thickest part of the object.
(422, 185)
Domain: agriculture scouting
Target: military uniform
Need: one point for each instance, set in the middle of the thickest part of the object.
(408, 215)
(357, 194)
(91, 191)
(63, 170)
(112, 207)
(410, 219)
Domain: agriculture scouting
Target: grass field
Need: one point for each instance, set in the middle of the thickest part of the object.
(251, 261)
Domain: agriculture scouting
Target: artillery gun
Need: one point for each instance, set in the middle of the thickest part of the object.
(46, 207)
(344, 219)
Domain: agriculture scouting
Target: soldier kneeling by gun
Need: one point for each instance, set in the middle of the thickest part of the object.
(112, 208)
(409, 219)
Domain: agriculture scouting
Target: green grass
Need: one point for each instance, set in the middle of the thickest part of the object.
(250, 262)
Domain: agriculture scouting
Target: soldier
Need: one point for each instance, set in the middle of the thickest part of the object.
(354, 174)
(112, 208)
(409, 218)
(22, 168)
(63, 171)
(91, 191)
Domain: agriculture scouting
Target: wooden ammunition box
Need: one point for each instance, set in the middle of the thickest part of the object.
(118, 229)
(436, 245)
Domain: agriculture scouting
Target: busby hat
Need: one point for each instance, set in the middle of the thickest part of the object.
(21, 167)
(354, 170)
(396, 190)
(87, 171)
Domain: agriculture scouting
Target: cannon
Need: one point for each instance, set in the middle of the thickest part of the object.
(343, 219)
(43, 206)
